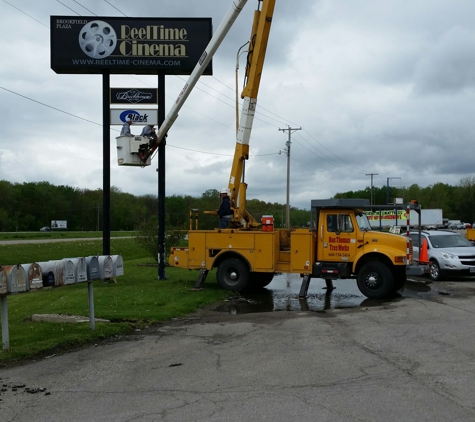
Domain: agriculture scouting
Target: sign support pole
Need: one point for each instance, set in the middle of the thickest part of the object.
(161, 181)
(106, 164)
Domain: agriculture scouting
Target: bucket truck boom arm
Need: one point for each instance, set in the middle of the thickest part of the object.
(255, 62)
(223, 28)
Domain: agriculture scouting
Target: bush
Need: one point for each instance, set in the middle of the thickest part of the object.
(147, 237)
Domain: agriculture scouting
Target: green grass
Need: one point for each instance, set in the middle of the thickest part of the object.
(137, 299)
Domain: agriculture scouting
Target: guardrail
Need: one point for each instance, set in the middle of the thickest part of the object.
(24, 278)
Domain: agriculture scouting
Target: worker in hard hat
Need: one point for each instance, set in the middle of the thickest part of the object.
(149, 132)
(126, 127)
(224, 211)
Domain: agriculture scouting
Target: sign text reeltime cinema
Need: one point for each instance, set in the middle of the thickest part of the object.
(171, 46)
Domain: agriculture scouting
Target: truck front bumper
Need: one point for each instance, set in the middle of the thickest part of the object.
(417, 269)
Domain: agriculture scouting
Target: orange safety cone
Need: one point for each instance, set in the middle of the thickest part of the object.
(423, 254)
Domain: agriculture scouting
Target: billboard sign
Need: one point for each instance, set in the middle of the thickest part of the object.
(121, 45)
(134, 96)
(59, 224)
(138, 116)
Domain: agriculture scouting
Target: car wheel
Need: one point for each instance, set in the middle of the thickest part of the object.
(375, 280)
(233, 274)
(434, 273)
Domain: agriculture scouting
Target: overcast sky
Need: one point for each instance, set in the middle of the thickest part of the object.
(382, 87)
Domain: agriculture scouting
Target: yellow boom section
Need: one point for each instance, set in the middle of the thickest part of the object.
(255, 63)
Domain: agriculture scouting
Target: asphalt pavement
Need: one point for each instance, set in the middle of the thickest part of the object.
(411, 358)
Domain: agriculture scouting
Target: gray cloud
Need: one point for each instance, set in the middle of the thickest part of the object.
(383, 87)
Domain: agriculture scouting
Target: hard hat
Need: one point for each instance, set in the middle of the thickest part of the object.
(224, 190)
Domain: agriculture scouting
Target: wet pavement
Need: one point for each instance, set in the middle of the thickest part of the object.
(346, 359)
(282, 294)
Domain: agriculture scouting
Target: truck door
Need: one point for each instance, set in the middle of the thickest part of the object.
(337, 237)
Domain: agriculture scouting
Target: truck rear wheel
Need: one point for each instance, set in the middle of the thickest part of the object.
(375, 280)
(233, 274)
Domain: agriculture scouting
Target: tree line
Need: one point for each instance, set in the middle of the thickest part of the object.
(29, 206)
(456, 202)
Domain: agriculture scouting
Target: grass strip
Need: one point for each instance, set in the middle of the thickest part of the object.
(137, 299)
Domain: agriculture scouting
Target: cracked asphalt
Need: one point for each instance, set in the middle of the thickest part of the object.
(405, 360)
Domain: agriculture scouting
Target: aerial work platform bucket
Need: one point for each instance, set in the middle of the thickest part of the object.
(128, 150)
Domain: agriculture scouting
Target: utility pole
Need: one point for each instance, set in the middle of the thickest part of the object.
(287, 144)
(387, 187)
(371, 194)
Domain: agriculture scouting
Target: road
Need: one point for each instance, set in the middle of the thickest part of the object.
(407, 359)
(24, 241)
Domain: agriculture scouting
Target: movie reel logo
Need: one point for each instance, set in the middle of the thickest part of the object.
(97, 39)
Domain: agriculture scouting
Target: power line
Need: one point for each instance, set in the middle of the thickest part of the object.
(84, 7)
(25, 13)
(120, 11)
(68, 7)
(46, 105)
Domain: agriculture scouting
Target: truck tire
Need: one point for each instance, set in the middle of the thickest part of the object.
(375, 280)
(259, 280)
(233, 275)
(399, 278)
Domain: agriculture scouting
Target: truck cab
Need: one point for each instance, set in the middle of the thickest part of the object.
(347, 247)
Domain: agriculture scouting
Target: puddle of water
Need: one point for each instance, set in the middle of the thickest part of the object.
(283, 295)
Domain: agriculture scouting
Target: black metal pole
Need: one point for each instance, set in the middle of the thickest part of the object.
(161, 181)
(106, 176)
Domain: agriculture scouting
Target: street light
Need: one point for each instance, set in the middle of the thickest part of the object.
(387, 188)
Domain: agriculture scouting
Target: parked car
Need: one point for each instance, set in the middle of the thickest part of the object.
(467, 225)
(45, 229)
(448, 252)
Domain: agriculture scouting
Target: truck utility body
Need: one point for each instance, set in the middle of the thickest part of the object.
(339, 245)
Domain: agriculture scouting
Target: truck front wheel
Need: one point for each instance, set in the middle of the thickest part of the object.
(375, 280)
(259, 280)
(233, 274)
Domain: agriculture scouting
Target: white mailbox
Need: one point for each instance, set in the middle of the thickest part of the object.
(128, 150)
(16, 279)
(80, 269)
(69, 271)
(105, 266)
(117, 265)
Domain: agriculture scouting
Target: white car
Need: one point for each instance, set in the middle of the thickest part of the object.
(448, 252)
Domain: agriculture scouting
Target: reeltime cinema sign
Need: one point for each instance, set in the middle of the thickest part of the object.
(128, 45)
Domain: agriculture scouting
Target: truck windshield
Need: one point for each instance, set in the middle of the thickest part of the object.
(362, 221)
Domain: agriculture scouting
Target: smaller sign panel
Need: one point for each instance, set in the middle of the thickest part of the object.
(134, 96)
(138, 116)
(59, 224)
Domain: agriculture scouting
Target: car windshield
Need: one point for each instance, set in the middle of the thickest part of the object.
(455, 241)
(362, 221)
